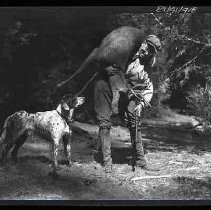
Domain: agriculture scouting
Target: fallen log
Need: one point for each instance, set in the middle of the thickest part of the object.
(170, 124)
(151, 128)
(117, 132)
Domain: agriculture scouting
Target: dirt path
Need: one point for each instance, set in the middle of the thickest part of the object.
(186, 165)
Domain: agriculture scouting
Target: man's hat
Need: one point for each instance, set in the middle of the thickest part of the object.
(154, 41)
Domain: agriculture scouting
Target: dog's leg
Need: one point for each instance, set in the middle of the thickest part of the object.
(5, 152)
(2, 145)
(19, 142)
(2, 155)
(55, 151)
(67, 147)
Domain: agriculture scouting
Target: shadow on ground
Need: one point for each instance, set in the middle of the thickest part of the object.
(160, 140)
(173, 139)
(29, 179)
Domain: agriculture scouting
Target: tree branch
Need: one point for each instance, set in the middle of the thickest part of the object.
(182, 36)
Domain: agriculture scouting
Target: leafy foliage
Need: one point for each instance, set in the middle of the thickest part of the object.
(199, 101)
(41, 47)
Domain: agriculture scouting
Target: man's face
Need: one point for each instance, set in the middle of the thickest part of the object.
(146, 50)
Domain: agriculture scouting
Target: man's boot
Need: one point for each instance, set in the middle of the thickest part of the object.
(105, 138)
(141, 160)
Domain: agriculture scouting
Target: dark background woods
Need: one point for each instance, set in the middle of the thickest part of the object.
(41, 46)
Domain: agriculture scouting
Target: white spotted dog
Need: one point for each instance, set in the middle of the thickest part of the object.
(51, 125)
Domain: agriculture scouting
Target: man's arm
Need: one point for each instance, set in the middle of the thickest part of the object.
(141, 87)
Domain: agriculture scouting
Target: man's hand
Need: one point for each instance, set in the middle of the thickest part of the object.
(138, 109)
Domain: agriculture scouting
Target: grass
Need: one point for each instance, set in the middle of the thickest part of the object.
(187, 162)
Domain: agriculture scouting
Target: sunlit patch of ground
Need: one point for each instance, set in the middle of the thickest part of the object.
(184, 172)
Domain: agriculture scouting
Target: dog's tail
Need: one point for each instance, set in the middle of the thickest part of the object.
(4, 134)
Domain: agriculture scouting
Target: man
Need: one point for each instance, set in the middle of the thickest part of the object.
(137, 80)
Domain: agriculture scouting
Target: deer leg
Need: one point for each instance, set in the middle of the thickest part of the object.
(118, 84)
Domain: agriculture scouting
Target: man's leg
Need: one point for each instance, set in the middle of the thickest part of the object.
(103, 98)
(141, 160)
(139, 155)
(104, 134)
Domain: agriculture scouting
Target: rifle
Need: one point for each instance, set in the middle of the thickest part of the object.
(135, 138)
(138, 99)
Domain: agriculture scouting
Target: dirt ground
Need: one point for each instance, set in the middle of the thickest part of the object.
(184, 160)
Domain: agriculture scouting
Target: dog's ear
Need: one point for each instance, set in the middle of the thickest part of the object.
(73, 101)
(65, 106)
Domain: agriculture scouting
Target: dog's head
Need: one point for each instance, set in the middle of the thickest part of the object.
(70, 102)
(67, 106)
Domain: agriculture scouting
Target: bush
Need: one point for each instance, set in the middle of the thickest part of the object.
(199, 101)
